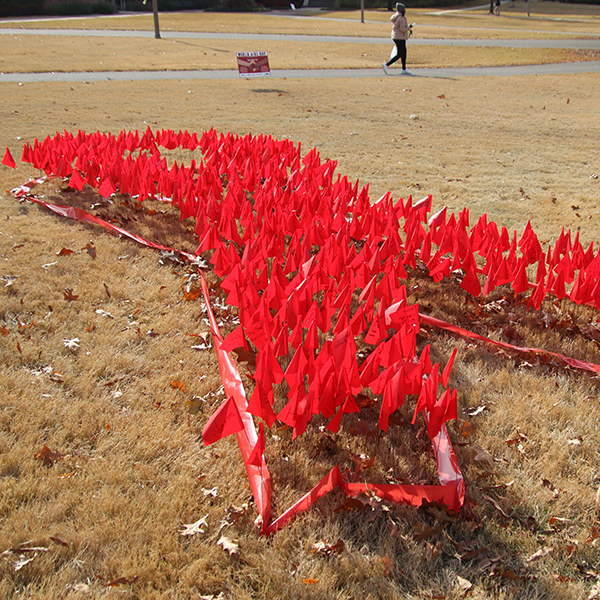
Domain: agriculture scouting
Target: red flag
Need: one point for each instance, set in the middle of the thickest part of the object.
(520, 282)
(256, 456)
(8, 160)
(261, 405)
(77, 181)
(236, 339)
(107, 188)
(443, 410)
(393, 397)
(445, 376)
(224, 421)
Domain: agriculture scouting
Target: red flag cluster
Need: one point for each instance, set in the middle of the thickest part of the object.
(314, 267)
(309, 262)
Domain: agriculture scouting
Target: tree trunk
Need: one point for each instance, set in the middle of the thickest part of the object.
(155, 11)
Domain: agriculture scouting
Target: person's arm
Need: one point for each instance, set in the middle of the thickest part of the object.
(403, 26)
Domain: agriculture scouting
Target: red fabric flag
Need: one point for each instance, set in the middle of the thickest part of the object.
(224, 421)
(261, 405)
(428, 393)
(470, 282)
(256, 457)
(538, 295)
(281, 343)
(77, 181)
(236, 339)
(107, 188)
(445, 376)
(393, 397)
(334, 424)
(8, 160)
(327, 397)
(443, 410)
(377, 331)
(520, 282)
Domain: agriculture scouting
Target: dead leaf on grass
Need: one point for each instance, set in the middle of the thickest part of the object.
(422, 531)
(324, 548)
(463, 584)
(388, 565)
(350, 504)
(192, 294)
(231, 546)
(178, 385)
(59, 541)
(90, 249)
(234, 514)
(539, 554)
(482, 456)
(47, 456)
(194, 528)
(22, 555)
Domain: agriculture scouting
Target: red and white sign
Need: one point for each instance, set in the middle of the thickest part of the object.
(253, 64)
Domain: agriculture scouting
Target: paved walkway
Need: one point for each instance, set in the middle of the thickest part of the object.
(449, 73)
(545, 69)
(572, 44)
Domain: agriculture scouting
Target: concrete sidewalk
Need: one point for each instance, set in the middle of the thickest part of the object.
(88, 77)
(570, 44)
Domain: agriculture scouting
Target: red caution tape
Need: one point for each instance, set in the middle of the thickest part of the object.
(565, 360)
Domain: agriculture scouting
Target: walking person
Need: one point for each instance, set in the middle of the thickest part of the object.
(400, 32)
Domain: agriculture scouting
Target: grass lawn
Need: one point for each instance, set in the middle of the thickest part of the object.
(121, 412)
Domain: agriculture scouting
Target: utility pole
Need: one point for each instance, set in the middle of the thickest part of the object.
(155, 11)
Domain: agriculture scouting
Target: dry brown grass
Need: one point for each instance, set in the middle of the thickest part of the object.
(39, 54)
(133, 469)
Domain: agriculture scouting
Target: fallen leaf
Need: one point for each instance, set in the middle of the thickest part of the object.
(59, 542)
(231, 546)
(350, 504)
(432, 552)
(192, 294)
(388, 565)
(361, 462)
(362, 428)
(9, 279)
(482, 456)
(539, 554)
(497, 507)
(91, 250)
(463, 584)
(122, 581)
(194, 528)
(326, 549)
(422, 531)
(47, 456)
(65, 252)
(178, 385)
(71, 344)
(69, 295)
(247, 356)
